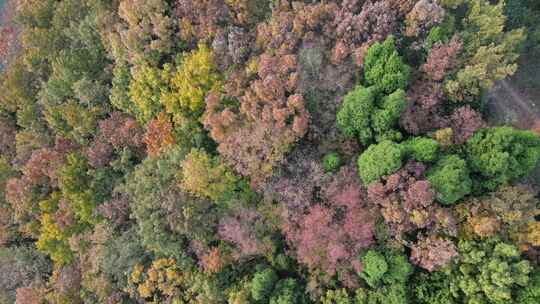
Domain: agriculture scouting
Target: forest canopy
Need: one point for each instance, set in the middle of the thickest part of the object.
(266, 152)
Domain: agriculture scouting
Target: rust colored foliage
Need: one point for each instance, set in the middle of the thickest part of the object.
(66, 284)
(64, 146)
(42, 167)
(212, 261)
(39, 177)
(442, 59)
(266, 97)
(99, 153)
(117, 132)
(510, 210)
(433, 252)
(8, 40)
(270, 119)
(18, 196)
(424, 112)
(376, 21)
(6, 225)
(158, 134)
(239, 229)
(121, 131)
(424, 15)
(464, 122)
(329, 236)
(29, 295)
(406, 201)
(200, 19)
(10, 45)
(296, 186)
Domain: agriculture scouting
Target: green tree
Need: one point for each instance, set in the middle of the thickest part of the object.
(384, 268)
(119, 96)
(21, 266)
(120, 255)
(374, 267)
(385, 118)
(387, 274)
(488, 271)
(422, 149)
(531, 293)
(378, 160)
(390, 294)
(79, 188)
(384, 68)
(450, 179)
(338, 296)
(432, 288)
(331, 162)
(263, 284)
(366, 116)
(152, 181)
(287, 291)
(502, 154)
(19, 87)
(353, 117)
(73, 121)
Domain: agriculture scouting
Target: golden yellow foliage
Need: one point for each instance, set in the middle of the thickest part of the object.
(193, 79)
(204, 176)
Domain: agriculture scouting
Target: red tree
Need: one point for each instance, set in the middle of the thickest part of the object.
(330, 235)
(433, 252)
(406, 201)
(158, 134)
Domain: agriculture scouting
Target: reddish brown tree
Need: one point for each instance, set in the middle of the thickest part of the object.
(433, 252)
(121, 131)
(212, 261)
(464, 122)
(270, 119)
(330, 235)
(30, 295)
(158, 134)
(240, 229)
(442, 58)
(99, 153)
(425, 110)
(10, 44)
(407, 202)
(424, 15)
(42, 167)
(200, 19)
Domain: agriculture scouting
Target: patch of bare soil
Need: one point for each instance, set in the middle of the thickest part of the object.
(510, 104)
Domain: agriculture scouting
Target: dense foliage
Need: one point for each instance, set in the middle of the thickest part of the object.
(265, 152)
